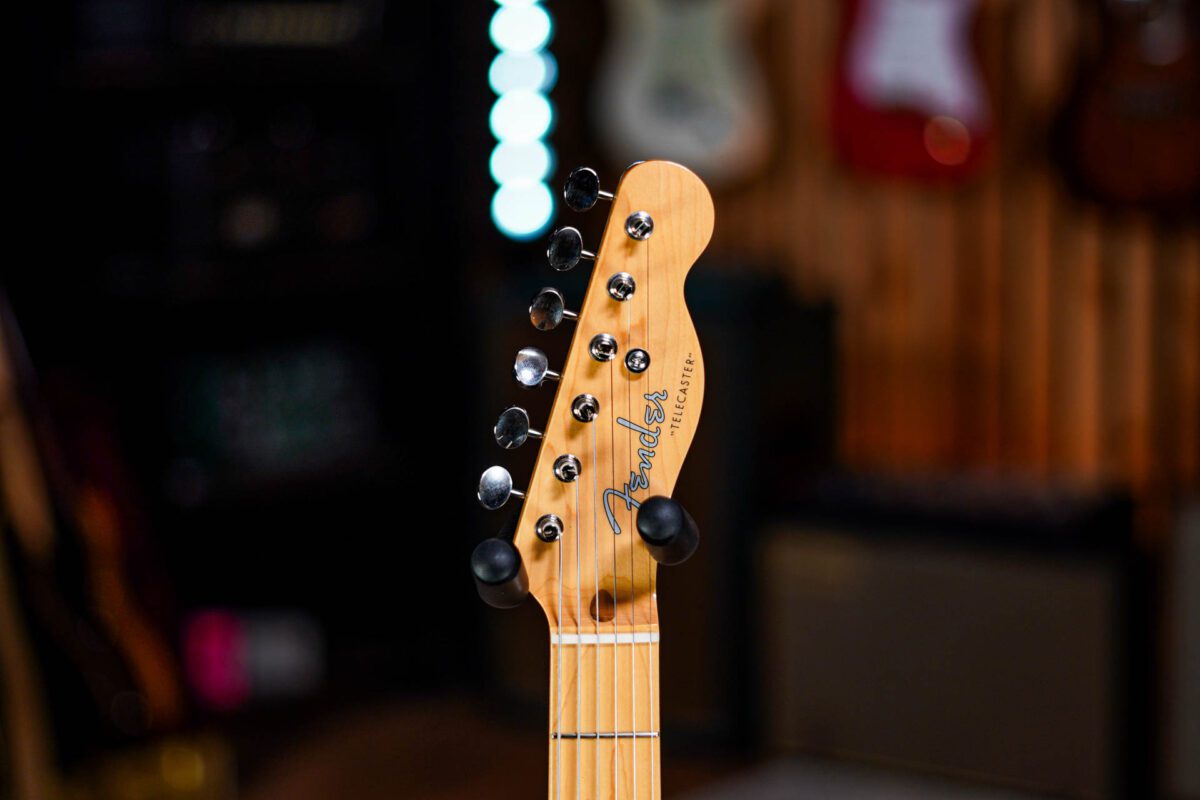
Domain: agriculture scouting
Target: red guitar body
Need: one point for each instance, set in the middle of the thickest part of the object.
(909, 96)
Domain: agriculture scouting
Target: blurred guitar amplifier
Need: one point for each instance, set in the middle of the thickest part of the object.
(974, 630)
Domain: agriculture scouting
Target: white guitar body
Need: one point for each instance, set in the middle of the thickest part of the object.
(677, 82)
(917, 53)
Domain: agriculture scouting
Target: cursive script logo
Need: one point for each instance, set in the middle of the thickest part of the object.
(648, 443)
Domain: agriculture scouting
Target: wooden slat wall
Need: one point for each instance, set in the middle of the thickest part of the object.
(1002, 325)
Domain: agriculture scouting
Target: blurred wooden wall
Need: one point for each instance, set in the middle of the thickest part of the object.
(1005, 324)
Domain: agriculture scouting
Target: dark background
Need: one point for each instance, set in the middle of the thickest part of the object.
(269, 320)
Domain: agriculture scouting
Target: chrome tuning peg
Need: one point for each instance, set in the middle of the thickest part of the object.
(495, 487)
(565, 249)
(548, 310)
(531, 367)
(512, 429)
(582, 189)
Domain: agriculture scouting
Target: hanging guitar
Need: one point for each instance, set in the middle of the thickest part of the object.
(1129, 133)
(910, 97)
(678, 80)
(597, 517)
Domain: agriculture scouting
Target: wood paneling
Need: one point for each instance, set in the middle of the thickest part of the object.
(1005, 324)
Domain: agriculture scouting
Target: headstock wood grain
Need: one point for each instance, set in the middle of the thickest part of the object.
(596, 517)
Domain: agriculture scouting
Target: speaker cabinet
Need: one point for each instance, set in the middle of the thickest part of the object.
(923, 640)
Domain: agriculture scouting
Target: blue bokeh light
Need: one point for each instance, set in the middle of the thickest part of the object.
(521, 75)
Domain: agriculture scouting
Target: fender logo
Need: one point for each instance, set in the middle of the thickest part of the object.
(648, 439)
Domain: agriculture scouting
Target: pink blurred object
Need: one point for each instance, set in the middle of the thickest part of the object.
(235, 657)
(214, 650)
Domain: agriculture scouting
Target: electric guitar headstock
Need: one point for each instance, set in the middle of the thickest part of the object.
(596, 516)
(626, 409)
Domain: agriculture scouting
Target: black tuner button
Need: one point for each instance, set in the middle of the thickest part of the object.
(668, 530)
(499, 573)
(565, 249)
(582, 189)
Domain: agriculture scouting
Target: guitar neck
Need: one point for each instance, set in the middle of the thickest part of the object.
(597, 516)
(604, 718)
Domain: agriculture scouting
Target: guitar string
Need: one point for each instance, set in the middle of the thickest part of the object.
(558, 680)
(596, 600)
(612, 449)
(578, 645)
(632, 571)
(649, 562)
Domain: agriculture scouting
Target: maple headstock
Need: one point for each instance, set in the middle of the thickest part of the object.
(626, 408)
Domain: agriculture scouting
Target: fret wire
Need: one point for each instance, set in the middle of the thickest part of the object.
(607, 735)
